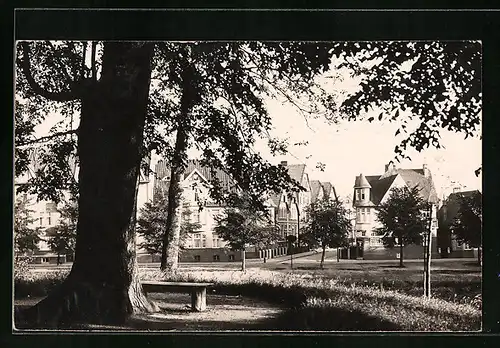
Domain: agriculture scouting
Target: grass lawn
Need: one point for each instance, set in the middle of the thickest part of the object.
(345, 296)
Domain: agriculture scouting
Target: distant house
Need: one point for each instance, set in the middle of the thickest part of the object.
(204, 245)
(291, 206)
(448, 246)
(372, 190)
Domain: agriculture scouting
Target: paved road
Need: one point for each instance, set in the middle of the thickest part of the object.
(311, 259)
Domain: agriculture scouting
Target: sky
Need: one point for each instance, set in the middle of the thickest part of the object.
(350, 148)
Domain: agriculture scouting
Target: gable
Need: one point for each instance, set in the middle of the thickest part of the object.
(397, 182)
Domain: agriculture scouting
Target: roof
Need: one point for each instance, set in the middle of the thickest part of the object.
(380, 187)
(329, 189)
(162, 171)
(361, 181)
(380, 184)
(296, 171)
(316, 186)
(414, 177)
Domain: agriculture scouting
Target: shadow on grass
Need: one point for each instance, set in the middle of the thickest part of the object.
(331, 319)
(301, 319)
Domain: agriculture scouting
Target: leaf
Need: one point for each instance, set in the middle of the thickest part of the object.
(380, 117)
(397, 132)
(370, 119)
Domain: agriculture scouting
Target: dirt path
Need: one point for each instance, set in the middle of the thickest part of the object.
(223, 313)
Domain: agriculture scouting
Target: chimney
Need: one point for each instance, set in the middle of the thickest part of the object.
(284, 163)
(426, 169)
(390, 167)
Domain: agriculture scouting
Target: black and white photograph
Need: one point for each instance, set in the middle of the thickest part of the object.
(239, 186)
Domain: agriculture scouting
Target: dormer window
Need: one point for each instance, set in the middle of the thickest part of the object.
(362, 195)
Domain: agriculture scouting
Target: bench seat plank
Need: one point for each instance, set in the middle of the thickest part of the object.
(198, 291)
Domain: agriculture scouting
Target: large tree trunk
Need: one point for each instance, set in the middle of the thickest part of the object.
(171, 237)
(103, 286)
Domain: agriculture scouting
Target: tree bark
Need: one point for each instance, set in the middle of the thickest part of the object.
(103, 286)
(322, 263)
(170, 246)
(243, 260)
(171, 237)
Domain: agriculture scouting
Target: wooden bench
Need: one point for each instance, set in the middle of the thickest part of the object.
(198, 291)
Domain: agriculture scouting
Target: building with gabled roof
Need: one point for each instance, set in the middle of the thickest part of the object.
(372, 190)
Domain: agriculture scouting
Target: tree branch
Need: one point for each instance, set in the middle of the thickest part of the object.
(37, 88)
(47, 138)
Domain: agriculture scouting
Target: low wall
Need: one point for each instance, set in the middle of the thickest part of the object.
(409, 252)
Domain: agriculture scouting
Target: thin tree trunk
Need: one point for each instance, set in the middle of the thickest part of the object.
(243, 260)
(401, 253)
(58, 259)
(103, 286)
(170, 247)
(323, 252)
(429, 258)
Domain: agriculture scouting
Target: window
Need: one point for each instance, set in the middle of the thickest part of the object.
(362, 195)
(216, 241)
(197, 240)
(357, 195)
(197, 215)
(49, 221)
(50, 207)
(363, 215)
(197, 258)
(231, 257)
(203, 241)
(358, 215)
(216, 258)
(196, 195)
(41, 221)
(375, 241)
(363, 233)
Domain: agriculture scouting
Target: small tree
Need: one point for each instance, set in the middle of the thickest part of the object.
(243, 226)
(328, 225)
(402, 218)
(467, 224)
(152, 220)
(62, 238)
(26, 238)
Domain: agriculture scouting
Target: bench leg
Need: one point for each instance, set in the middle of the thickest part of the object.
(199, 300)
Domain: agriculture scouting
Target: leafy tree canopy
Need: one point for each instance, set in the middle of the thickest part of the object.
(328, 224)
(26, 237)
(244, 225)
(402, 217)
(62, 237)
(437, 83)
(467, 224)
(151, 224)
